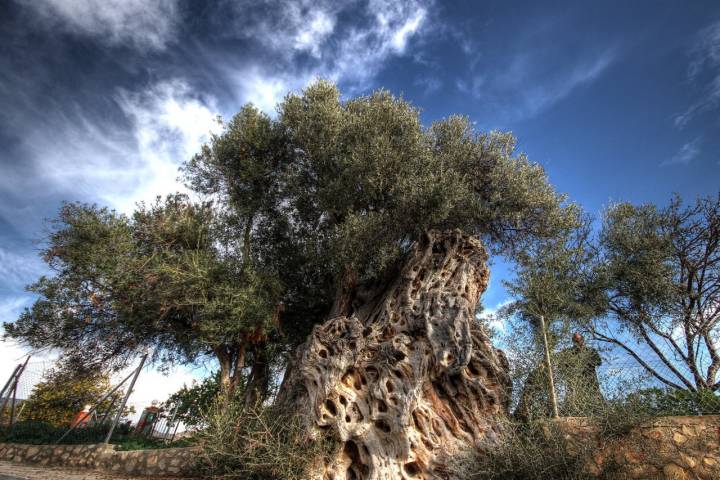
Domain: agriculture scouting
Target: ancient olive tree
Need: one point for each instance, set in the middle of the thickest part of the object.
(657, 285)
(375, 224)
(343, 226)
(157, 280)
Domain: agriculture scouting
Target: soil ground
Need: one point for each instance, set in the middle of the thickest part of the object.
(19, 471)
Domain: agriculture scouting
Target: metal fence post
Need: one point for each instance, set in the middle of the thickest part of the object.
(12, 385)
(548, 364)
(109, 410)
(171, 424)
(10, 380)
(94, 408)
(125, 399)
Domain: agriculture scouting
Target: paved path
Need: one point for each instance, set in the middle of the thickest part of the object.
(18, 471)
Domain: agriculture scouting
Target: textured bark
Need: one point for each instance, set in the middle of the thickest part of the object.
(405, 377)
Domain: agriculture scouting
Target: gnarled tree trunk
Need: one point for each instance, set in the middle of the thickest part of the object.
(404, 377)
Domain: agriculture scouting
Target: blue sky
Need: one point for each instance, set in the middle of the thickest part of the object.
(101, 101)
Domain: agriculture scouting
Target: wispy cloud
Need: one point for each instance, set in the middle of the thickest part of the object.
(525, 86)
(16, 271)
(312, 34)
(428, 84)
(69, 155)
(704, 73)
(531, 70)
(142, 23)
(361, 52)
(686, 154)
(351, 54)
(169, 124)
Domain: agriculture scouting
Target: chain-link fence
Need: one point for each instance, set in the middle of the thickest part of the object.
(588, 376)
(110, 410)
(19, 386)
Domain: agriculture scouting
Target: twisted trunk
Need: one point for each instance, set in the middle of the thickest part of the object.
(404, 376)
(259, 380)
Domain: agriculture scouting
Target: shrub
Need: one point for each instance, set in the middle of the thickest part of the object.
(659, 402)
(260, 443)
(42, 433)
(528, 451)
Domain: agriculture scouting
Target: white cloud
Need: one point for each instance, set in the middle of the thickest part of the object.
(79, 158)
(704, 72)
(361, 52)
(686, 154)
(313, 33)
(169, 126)
(147, 24)
(406, 30)
(354, 56)
(265, 90)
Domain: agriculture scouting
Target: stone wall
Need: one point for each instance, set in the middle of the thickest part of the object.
(673, 448)
(168, 462)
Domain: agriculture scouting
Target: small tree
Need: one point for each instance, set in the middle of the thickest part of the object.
(194, 403)
(158, 279)
(551, 282)
(64, 392)
(657, 279)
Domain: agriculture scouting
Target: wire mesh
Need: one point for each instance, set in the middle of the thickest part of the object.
(603, 375)
(134, 423)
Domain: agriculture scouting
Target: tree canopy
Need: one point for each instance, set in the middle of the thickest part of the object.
(157, 280)
(658, 279)
(357, 181)
(648, 284)
(329, 195)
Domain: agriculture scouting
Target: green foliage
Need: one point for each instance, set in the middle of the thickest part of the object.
(669, 402)
(648, 284)
(657, 277)
(41, 433)
(260, 444)
(195, 401)
(535, 446)
(158, 279)
(552, 281)
(335, 192)
(64, 392)
(534, 451)
(242, 162)
(368, 174)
